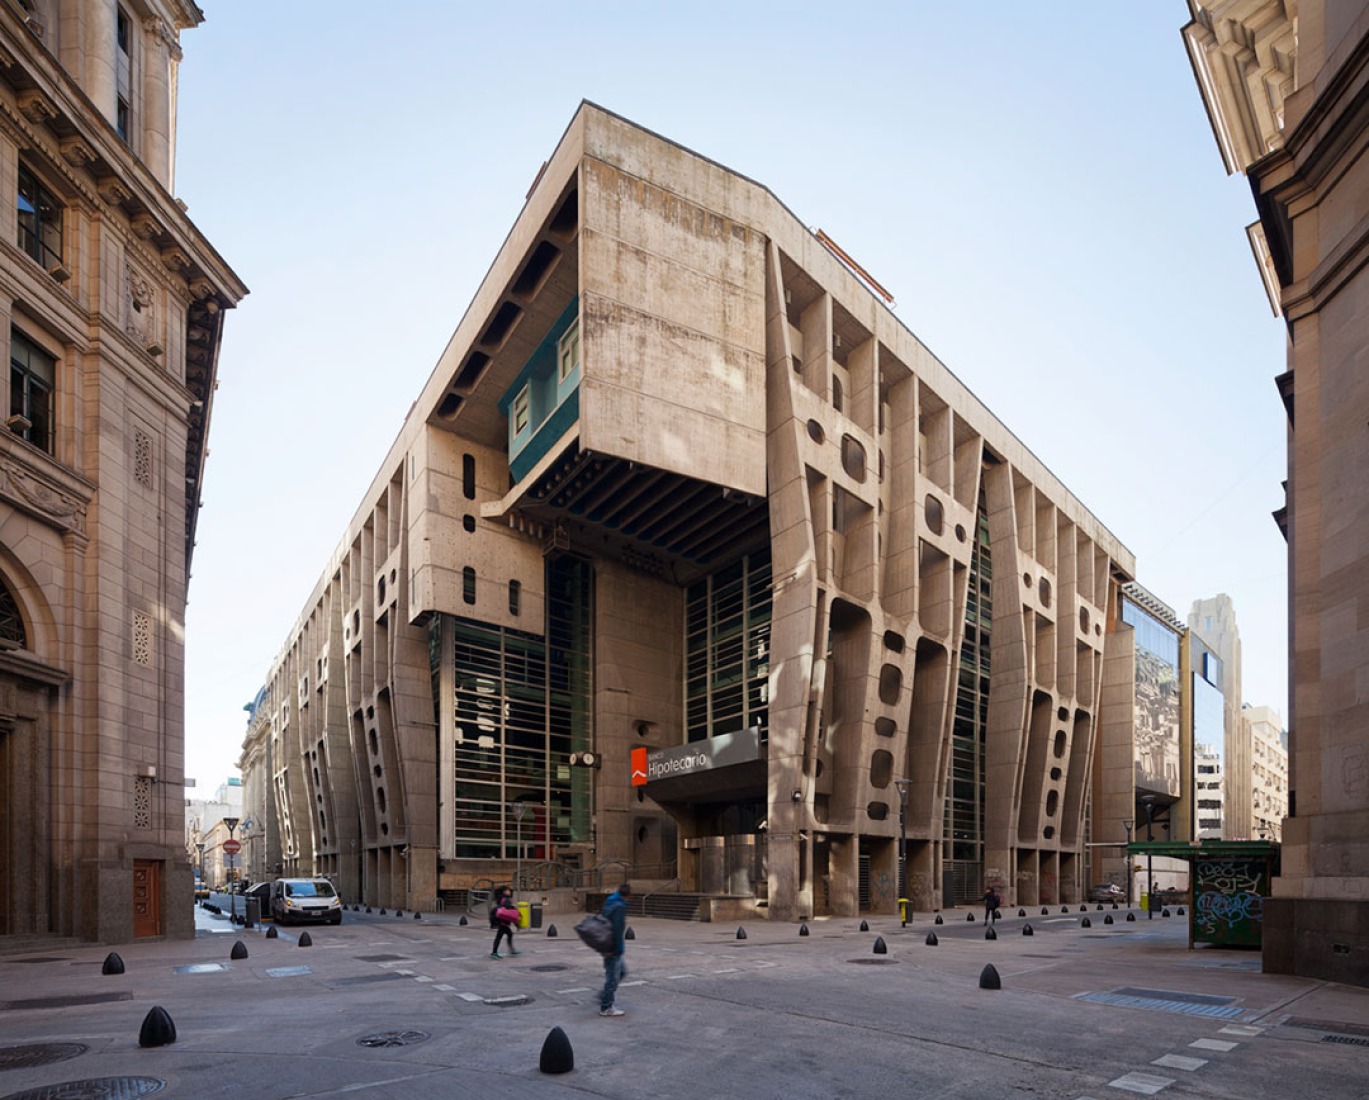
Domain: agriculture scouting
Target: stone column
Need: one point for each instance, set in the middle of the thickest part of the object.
(102, 47)
(160, 51)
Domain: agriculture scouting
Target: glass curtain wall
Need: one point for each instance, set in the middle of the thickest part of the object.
(522, 706)
(963, 837)
(727, 649)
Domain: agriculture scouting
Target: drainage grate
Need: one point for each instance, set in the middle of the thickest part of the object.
(380, 958)
(287, 971)
(38, 1054)
(64, 1002)
(392, 1039)
(548, 968)
(871, 962)
(1326, 1025)
(94, 1088)
(1158, 1004)
(41, 959)
(1171, 995)
(199, 968)
(1352, 1040)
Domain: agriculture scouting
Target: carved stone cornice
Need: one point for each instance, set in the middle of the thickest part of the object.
(77, 153)
(146, 226)
(35, 106)
(7, 59)
(175, 258)
(34, 493)
(161, 31)
(114, 191)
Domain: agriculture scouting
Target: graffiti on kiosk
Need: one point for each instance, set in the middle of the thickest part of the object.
(1229, 894)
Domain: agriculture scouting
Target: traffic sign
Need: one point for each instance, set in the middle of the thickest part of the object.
(232, 847)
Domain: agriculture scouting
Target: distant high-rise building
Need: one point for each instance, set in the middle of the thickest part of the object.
(1214, 621)
(1209, 795)
(1269, 782)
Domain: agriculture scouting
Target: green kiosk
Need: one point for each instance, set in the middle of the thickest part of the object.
(1229, 880)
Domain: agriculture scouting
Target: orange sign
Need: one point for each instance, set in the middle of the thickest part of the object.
(639, 766)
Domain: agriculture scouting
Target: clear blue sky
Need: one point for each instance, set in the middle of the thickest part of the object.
(1039, 189)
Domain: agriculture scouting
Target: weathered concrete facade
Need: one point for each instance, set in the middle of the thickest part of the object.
(1285, 85)
(682, 482)
(112, 306)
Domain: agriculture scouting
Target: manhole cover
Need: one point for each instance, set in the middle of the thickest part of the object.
(42, 959)
(509, 1002)
(872, 962)
(94, 1088)
(392, 1039)
(38, 1054)
(380, 958)
(547, 968)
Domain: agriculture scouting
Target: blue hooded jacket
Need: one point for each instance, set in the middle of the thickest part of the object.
(615, 909)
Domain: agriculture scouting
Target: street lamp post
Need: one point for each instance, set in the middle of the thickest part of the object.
(903, 901)
(1127, 861)
(231, 823)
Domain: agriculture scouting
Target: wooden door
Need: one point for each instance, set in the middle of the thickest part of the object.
(147, 894)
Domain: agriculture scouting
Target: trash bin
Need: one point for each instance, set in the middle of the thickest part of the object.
(524, 914)
(252, 912)
(535, 915)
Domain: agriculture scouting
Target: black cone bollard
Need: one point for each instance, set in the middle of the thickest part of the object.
(1100, 907)
(368, 908)
(741, 934)
(157, 1029)
(113, 964)
(1083, 908)
(939, 919)
(1021, 912)
(272, 934)
(1164, 912)
(989, 979)
(1115, 905)
(990, 934)
(1179, 912)
(399, 912)
(1045, 912)
(1131, 916)
(239, 951)
(1107, 919)
(803, 930)
(383, 913)
(463, 921)
(865, 926)
(881, 948)
(969, 917)
(1027, 930)
(418, 916)
(1064, 909)
(1086, 923)
(629, 935)
(306, 940)
(931, 940)
(551, 931)
(557, 1055)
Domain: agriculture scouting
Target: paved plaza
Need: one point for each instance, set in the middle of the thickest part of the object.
(397, 1007)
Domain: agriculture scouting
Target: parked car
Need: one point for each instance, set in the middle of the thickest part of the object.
(305, 899)
(1106, 891)
(201, 889)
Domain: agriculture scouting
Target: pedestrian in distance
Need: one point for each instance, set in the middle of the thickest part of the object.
(991, 903)
(615, 970)
(504, 919)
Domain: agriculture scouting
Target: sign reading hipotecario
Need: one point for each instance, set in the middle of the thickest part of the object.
(699, 756)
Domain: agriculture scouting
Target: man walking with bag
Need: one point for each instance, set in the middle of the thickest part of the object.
(615, 910)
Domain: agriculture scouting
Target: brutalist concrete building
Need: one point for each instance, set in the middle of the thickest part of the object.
(692, 563)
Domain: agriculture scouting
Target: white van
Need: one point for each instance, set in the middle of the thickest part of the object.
(305, 899)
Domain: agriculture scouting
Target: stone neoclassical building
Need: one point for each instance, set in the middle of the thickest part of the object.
(691, 561)
(112, 305)
(1286, 86)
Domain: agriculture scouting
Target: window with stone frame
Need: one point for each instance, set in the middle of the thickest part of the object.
(12, 633)
(33, 378)
(40, 220)
(123, 72)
